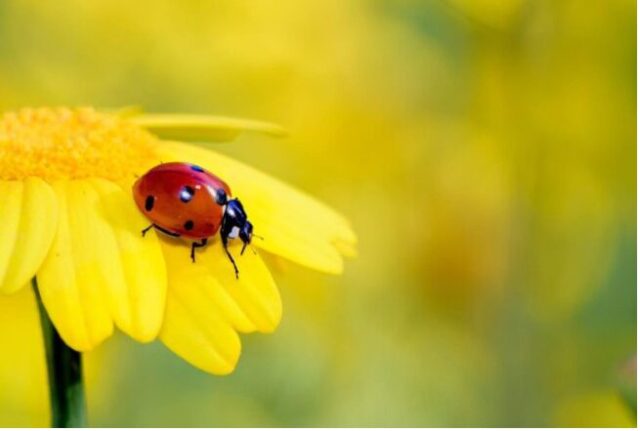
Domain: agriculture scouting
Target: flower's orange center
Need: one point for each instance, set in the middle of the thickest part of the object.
(72, 143)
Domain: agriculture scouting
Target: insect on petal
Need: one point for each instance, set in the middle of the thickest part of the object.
(294, 225)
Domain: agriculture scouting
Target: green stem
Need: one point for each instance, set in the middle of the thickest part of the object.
(64, 367)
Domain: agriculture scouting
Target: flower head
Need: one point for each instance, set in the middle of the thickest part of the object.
(67, 217)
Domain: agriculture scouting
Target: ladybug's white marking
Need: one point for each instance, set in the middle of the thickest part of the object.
(235, 231)
(186, 194)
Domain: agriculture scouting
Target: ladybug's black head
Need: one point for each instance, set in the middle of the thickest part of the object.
(246, 233)
(235, 223)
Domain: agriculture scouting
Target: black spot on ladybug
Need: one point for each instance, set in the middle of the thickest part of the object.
(188, 225)
(186, 194)
(221, 197)
(197, 168)
(148, 203)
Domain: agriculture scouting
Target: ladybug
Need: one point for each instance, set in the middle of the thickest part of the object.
(184, 200)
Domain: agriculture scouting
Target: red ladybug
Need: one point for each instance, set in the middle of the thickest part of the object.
(184, 200)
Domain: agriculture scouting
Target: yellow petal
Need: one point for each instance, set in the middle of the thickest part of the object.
(72, 277)
(205, 128)
(293, 224)
(89, 278)
(28, 218)
(206, 304)
(139, 307)
(346, 248)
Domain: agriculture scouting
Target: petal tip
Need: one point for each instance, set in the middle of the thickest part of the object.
(145, 337)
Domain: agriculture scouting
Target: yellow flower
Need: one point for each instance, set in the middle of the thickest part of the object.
(67, 217)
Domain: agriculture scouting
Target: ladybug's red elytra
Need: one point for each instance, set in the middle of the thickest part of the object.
(184, 200)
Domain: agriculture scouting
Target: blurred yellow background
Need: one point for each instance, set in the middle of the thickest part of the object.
(485, 152)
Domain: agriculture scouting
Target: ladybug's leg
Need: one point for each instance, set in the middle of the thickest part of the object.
(233, 262)
(195, 245)
(163, 230)
(146, 229)
(225, 231)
